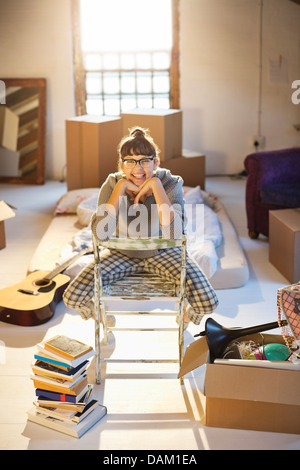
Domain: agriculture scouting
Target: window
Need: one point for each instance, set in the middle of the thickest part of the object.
(125, 55)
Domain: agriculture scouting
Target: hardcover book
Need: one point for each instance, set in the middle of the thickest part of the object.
(68, 347)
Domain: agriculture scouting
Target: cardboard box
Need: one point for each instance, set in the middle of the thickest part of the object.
(284, 242)
(247, 396)
(192, 171)
(92, 143)
(165, 127)
(6, 212)
(9, 162)
(9, 128)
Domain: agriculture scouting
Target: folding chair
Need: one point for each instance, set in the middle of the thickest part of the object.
(137, 288)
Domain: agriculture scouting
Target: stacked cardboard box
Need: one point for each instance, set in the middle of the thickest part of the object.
(165, 127)
(92, 143)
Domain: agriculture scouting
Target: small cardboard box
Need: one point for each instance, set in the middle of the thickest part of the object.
(92, 143)
(9, 162)
(165, 127)
(247, 397)
(6, 212)
(190, 166)
(9, 128)
(284, 242)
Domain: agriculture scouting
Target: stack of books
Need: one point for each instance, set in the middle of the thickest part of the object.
(64, 396)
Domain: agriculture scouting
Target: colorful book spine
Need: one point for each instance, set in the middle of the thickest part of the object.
(58, 396)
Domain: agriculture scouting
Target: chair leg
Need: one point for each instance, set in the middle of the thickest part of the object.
(180, 336)
(253, 234)
(97, 350)
(99, 315)
(104, 323)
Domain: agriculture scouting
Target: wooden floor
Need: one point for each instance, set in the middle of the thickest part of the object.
(147, 407)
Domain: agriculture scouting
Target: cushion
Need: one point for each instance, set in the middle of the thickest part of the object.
(282, 194)
(69, 202)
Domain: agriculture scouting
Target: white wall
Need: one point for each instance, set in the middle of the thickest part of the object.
(219, 53)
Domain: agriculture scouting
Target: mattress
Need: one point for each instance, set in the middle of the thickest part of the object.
(232, 268)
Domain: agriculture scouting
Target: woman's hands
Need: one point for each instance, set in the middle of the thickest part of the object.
(153, 186)
(146, 189)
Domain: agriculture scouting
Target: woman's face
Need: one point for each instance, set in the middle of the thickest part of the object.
(139, 172)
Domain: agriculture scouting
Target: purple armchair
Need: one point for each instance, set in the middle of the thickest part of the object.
(273, 182)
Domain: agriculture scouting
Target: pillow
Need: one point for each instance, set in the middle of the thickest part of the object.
(86, 209)
(68, 203)
(193, 196)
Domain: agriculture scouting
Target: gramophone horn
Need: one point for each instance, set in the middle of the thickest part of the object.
(218, 337)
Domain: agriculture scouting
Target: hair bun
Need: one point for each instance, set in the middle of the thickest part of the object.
(138, 132)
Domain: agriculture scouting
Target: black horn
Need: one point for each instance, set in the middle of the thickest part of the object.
(218, 337)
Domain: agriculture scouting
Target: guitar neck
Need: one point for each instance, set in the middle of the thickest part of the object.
(59, 269)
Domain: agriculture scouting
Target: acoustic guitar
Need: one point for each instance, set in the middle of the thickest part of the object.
(33, 301)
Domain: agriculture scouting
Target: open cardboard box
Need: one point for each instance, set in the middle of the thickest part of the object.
(6, 212)
(247, 396)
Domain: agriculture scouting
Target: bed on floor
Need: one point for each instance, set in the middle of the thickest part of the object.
(218, 253)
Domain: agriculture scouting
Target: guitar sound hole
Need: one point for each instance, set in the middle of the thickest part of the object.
(41, 282)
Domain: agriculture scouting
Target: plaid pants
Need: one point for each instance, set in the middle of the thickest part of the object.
(166, 264)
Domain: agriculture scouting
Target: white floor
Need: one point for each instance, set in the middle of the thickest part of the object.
(146, 410)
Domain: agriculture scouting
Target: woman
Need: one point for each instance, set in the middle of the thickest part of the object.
(141, 200)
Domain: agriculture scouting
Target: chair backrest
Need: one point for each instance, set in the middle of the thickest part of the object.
(140, 243)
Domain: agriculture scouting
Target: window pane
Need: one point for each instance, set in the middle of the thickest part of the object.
(128, 103)
(92, 61)
(94, 106)
(144, 84)
(161, 102)
(161, 83)
(161, 60)
(127, 61)
(110, 61)
(103, 22)
(93, 83)
(144, 101)
(143, 61)
(112, 106)
(128, 83)
(111, 83)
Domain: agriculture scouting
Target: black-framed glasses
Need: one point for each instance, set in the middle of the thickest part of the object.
(130, 163)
